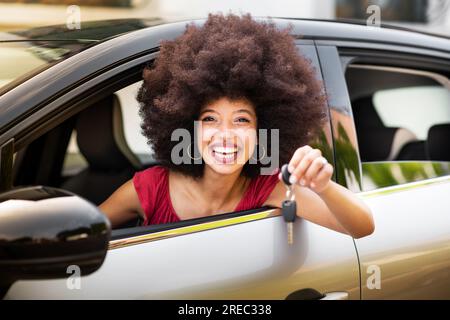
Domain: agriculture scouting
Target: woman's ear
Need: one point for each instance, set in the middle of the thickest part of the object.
(145, 73)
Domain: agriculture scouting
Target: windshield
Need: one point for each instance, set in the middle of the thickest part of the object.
(19, 59)
(27, 52)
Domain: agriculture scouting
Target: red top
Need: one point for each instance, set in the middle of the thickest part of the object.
(153, 191)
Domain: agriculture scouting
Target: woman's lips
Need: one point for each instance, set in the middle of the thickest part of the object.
(225, 155)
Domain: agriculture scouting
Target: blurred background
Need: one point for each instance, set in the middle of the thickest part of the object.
(427, 15)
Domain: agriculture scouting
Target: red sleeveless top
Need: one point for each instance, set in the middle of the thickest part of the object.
(152, 188)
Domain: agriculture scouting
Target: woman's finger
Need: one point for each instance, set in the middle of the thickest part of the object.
(313, 170)
(304, 164)
(324, 175)
(297, 157)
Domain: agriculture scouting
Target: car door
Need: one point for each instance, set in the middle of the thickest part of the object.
(234, 256)
(408, 255)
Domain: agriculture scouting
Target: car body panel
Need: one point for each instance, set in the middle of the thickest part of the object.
(410, 247)
(250, 260)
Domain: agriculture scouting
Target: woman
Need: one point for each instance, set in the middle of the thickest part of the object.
(222, 83)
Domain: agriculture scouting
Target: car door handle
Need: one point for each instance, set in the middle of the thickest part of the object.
(313, 294)
(338, 295)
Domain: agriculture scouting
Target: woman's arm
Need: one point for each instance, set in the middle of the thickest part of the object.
(123, 205)
(321, 200)
(351, 212)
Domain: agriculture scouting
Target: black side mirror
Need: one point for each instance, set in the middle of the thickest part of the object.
(45, 230)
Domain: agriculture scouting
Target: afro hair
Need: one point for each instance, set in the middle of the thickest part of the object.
(236, 57)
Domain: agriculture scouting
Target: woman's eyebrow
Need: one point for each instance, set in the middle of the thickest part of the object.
(236, 111)
(244, 110)
(208, 110)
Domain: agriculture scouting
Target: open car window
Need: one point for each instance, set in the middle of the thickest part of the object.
(75, 162)
(79, 154)
(405, 108)
(402, 119)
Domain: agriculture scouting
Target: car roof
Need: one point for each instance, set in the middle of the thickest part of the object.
(357, 30)
(343, 29)
(385, 26)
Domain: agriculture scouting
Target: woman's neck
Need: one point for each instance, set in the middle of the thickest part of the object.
(218, 189)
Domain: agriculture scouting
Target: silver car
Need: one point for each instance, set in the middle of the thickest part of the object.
(68, 139)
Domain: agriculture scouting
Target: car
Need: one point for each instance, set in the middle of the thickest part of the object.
(69, 138)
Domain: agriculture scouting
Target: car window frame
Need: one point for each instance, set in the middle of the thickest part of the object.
(388, 55)
(74, 100)
(341, 118)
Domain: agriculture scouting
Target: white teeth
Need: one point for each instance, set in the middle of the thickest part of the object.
(225, 150)
(225, 157)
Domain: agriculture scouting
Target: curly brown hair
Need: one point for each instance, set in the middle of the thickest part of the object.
(236, 57)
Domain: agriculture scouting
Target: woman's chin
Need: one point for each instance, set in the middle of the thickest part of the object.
(228, 168)
(225, 167)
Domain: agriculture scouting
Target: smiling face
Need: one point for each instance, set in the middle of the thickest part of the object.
(227, 134)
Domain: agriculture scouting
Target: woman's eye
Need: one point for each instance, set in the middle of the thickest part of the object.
(208, 118)
(243, 120)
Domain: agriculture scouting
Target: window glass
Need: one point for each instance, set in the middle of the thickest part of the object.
(131, 122)
(21, 59)
(413, 108)
(402, 119)
(74, 162)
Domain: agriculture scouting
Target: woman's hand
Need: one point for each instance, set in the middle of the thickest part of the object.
(330, 205)
(309, 169)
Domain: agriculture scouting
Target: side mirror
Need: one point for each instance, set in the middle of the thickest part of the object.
(45, 230)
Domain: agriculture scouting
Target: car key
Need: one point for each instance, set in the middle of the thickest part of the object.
(288, 206)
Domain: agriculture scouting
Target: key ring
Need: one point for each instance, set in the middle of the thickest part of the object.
(285, 174)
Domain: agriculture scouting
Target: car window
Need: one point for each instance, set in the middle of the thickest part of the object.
(415, 108)
(25, 61)
(402, 119)
(74, 161)
(131, 122)
(92, 172)
(21, 59)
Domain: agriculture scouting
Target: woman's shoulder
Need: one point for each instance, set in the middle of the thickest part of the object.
(152, 171)
(150, 187)
(149, 180)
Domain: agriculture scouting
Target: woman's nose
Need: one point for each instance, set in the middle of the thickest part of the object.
(226, 134)
(225, 126)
